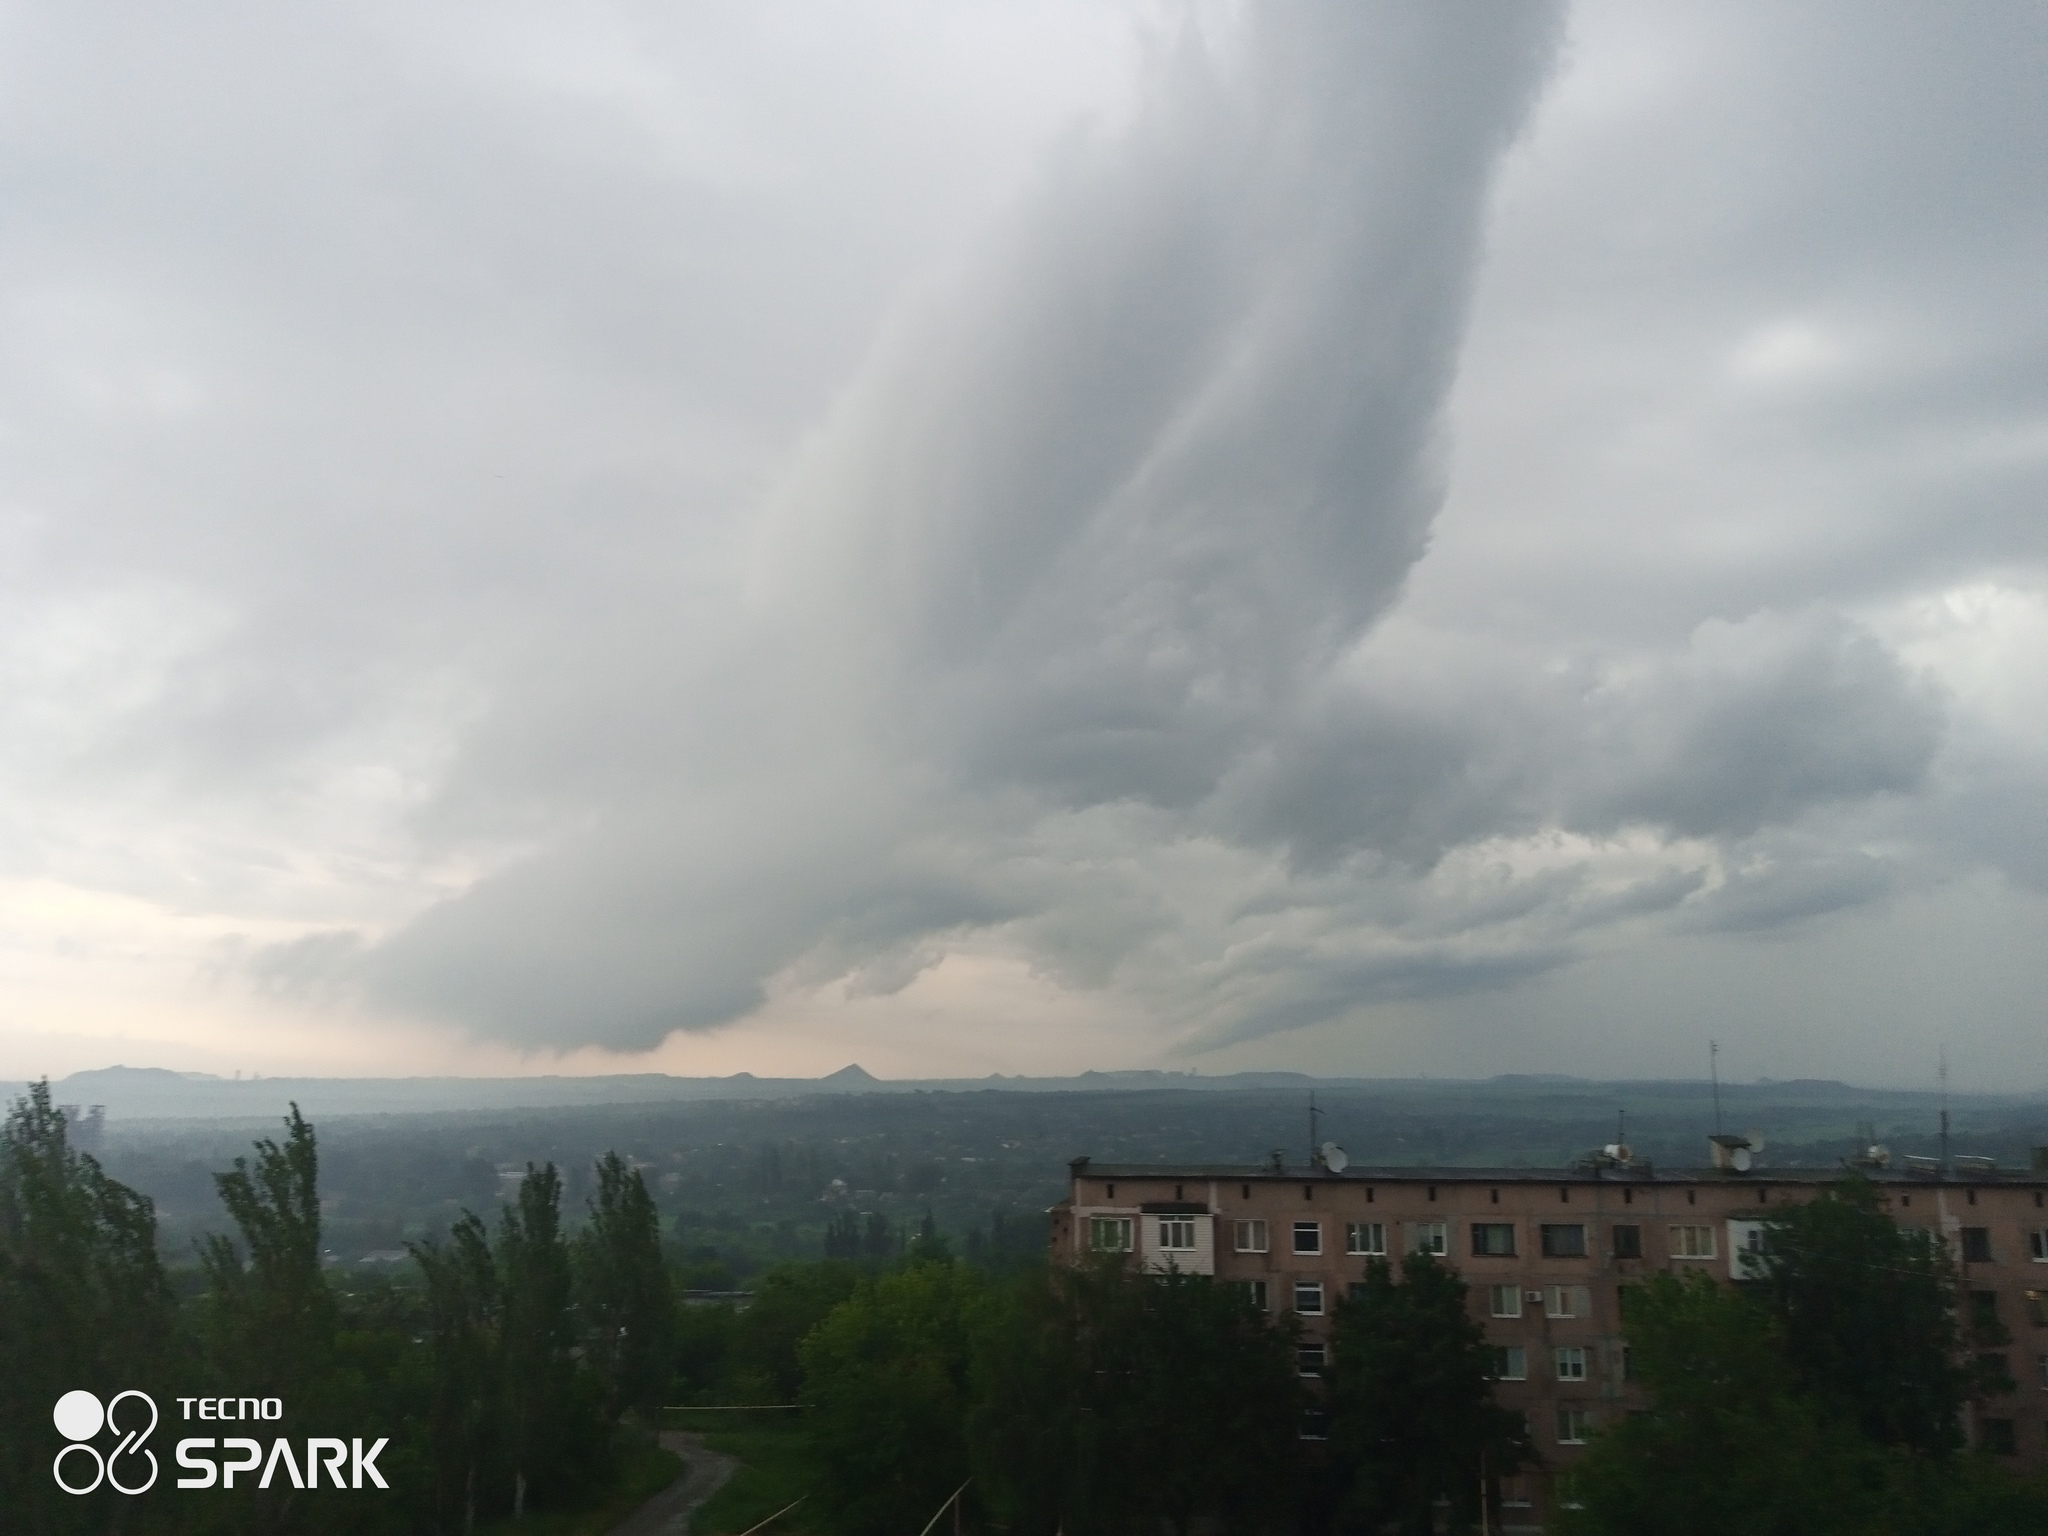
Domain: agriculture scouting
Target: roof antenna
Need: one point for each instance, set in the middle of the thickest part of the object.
(1714, 1070)
(1314, 1114)
(1944, 1106)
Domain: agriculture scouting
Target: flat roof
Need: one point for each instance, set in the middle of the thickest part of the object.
(1635, 1173)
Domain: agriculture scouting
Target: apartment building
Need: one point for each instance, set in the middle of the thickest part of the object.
(1548, 1255)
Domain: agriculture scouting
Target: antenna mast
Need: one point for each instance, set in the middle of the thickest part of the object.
(1944, 1106)
(1314, 1114)
(1714, 1071)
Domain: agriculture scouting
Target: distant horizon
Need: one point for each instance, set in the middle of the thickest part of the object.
(854, 1072)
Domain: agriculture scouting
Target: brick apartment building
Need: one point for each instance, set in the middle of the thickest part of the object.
(1546, 1256)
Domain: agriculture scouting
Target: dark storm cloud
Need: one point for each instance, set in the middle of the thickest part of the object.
(586, 518)
(1082, 535)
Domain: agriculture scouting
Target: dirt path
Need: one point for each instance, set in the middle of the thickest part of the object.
(668, 1512)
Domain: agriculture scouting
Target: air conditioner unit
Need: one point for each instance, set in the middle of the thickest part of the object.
(1535, 1296)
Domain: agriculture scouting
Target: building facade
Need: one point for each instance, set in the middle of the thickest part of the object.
(1547, 1257)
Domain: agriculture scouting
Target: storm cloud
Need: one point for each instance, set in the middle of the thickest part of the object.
(570, 528)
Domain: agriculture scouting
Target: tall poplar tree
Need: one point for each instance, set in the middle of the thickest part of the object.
(627, 1309)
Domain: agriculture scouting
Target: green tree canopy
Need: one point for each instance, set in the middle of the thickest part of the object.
(1868, 1313)
(1412, 1416)
(1112, 1400)
(1727, 1444)
(887, 1375)
(622, 1285)
(83, 1304)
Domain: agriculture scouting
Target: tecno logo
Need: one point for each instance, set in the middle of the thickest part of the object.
(80, 1418)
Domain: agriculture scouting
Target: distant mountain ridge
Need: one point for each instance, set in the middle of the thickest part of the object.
(157, 1093)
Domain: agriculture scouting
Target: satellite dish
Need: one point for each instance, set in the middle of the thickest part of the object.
(1755, 1140)
(1741, 1160)
(1335, 1158)
(1881, 1155)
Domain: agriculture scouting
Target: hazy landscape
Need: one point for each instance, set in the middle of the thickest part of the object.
(747, 1172)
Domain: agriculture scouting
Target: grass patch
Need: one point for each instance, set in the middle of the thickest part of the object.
(774, 1469)
(644, 1471)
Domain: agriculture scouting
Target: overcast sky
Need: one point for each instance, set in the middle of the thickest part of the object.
(969, 536)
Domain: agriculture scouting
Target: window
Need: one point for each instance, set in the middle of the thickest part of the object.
(1310, 1358)
(1984, 1309)
(1564, 1240)
(1996, 1436)
(1176, 1234)
(2037, 1308)
(1255, 1293)
(1308, 1297)
(1569, 1301)
(1505, 1300)
(1692, 1242)
(1571, 1363)
(1315, 1424)
(1574, 1425)
(1628, 1242)
(1429, 1237)
(1493, 1239)
(1367, 1237)
(1510, 1363)
(2037, 1241)
(1976, 1245)
(1308, 1237)
(2043, 1363)
(1251, 1237)
(1110, 1234)
(1995, 1368)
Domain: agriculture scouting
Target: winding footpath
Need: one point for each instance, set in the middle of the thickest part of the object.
(668, 1512)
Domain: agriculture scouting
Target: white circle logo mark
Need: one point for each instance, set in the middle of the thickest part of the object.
(79, 1418)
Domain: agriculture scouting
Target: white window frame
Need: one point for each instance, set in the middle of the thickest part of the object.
(1305, 1365)
(1569, 1362)
(1504, 1300)
(2037, 1240)
(1250, 1236)
(1366, 1238)
(1510, 1362)
(1117, 1226)
(1313, 1231)
(1431, 1237)
(1311, 1291)
(1574, 1425)
(1568, 1301)
(1696, 1243)
(1176, 1234)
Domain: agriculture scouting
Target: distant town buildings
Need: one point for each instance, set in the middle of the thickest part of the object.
(1549, 1257)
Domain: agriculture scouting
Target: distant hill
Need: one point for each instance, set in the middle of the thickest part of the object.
(155, 1093)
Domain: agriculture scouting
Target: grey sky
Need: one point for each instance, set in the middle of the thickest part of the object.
(1010, 537)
